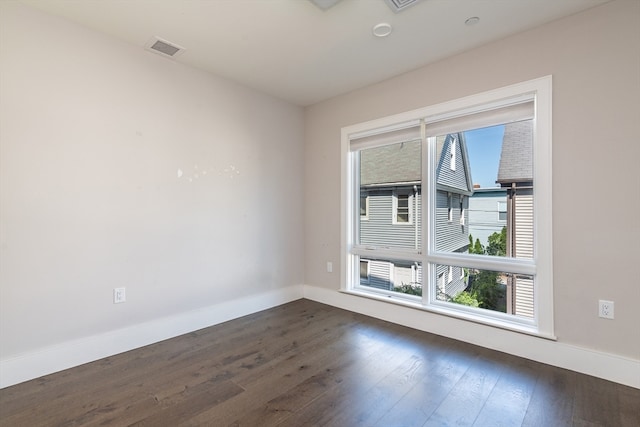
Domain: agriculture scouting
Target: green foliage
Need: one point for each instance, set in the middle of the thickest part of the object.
(498, 243)
(465, 298)
(475, 248)
(409, 288)
(488, 291)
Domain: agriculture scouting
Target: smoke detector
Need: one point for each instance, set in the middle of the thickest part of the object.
(163, 47)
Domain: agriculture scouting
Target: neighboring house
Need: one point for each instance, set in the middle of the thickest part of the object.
(515, 175)
(487, 213)
(390, 209)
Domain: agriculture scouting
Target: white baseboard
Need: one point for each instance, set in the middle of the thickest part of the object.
(598, 364)
(56, 358)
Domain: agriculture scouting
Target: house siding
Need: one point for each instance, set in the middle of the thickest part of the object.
(450, 235)
(484, 216)
(524, 296)
(455, 286)
(379, 229)
(523, 224)
(523, 248)
(446, 177)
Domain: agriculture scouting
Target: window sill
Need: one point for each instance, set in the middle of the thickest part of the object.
(457, 314)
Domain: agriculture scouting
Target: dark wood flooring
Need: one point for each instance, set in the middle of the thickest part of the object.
(309, 364)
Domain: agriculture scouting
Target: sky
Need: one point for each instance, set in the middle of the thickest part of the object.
(484, 146)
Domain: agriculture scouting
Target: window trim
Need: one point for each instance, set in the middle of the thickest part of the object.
(410, 203)
(537, 91)
(364, 217)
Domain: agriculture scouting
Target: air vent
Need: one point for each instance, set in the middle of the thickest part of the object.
(400, 5)
(163, 47)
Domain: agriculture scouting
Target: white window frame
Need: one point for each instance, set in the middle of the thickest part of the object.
(410, 203)
(536, 92)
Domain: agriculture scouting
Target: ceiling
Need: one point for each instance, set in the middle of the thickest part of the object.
(296, 51)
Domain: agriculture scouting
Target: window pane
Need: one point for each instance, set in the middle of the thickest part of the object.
(403, 277)
(363, 204)
(491, 290)
(493, 188)
(364, 271)
(390, 177)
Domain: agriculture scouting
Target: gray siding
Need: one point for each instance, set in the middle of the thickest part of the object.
(449, 289)
(450, 235)
(523, 248)
(523, 225)
(445, 176)
(524, 296)
(484, 217)
(379, 229)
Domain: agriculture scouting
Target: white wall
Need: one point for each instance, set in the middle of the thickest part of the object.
(594, 58)
(93, 133)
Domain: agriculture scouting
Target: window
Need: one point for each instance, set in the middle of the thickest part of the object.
(402, 207)
(420, 165)
(364, 206)
(364, 271)
(502, 211)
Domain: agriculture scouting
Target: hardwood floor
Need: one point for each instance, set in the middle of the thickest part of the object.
(308, 364)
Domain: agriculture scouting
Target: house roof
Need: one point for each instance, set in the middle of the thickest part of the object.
(516, 158)
(391, 164)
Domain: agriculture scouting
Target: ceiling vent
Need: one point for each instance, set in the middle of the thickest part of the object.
(164, 48)
(400, 5)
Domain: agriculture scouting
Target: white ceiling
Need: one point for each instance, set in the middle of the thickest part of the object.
(295, 51)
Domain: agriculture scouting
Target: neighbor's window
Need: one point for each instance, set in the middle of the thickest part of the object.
(402, 204)
(364, 206)
(364, 271)
(502, 211)
(416, 167)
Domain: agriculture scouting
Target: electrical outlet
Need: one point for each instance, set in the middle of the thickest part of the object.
(119, 295)
(329, 267)
(605, 309)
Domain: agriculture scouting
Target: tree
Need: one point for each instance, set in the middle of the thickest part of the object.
(489, 293)
(465, 298)
(475, 248)
(497, 243)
